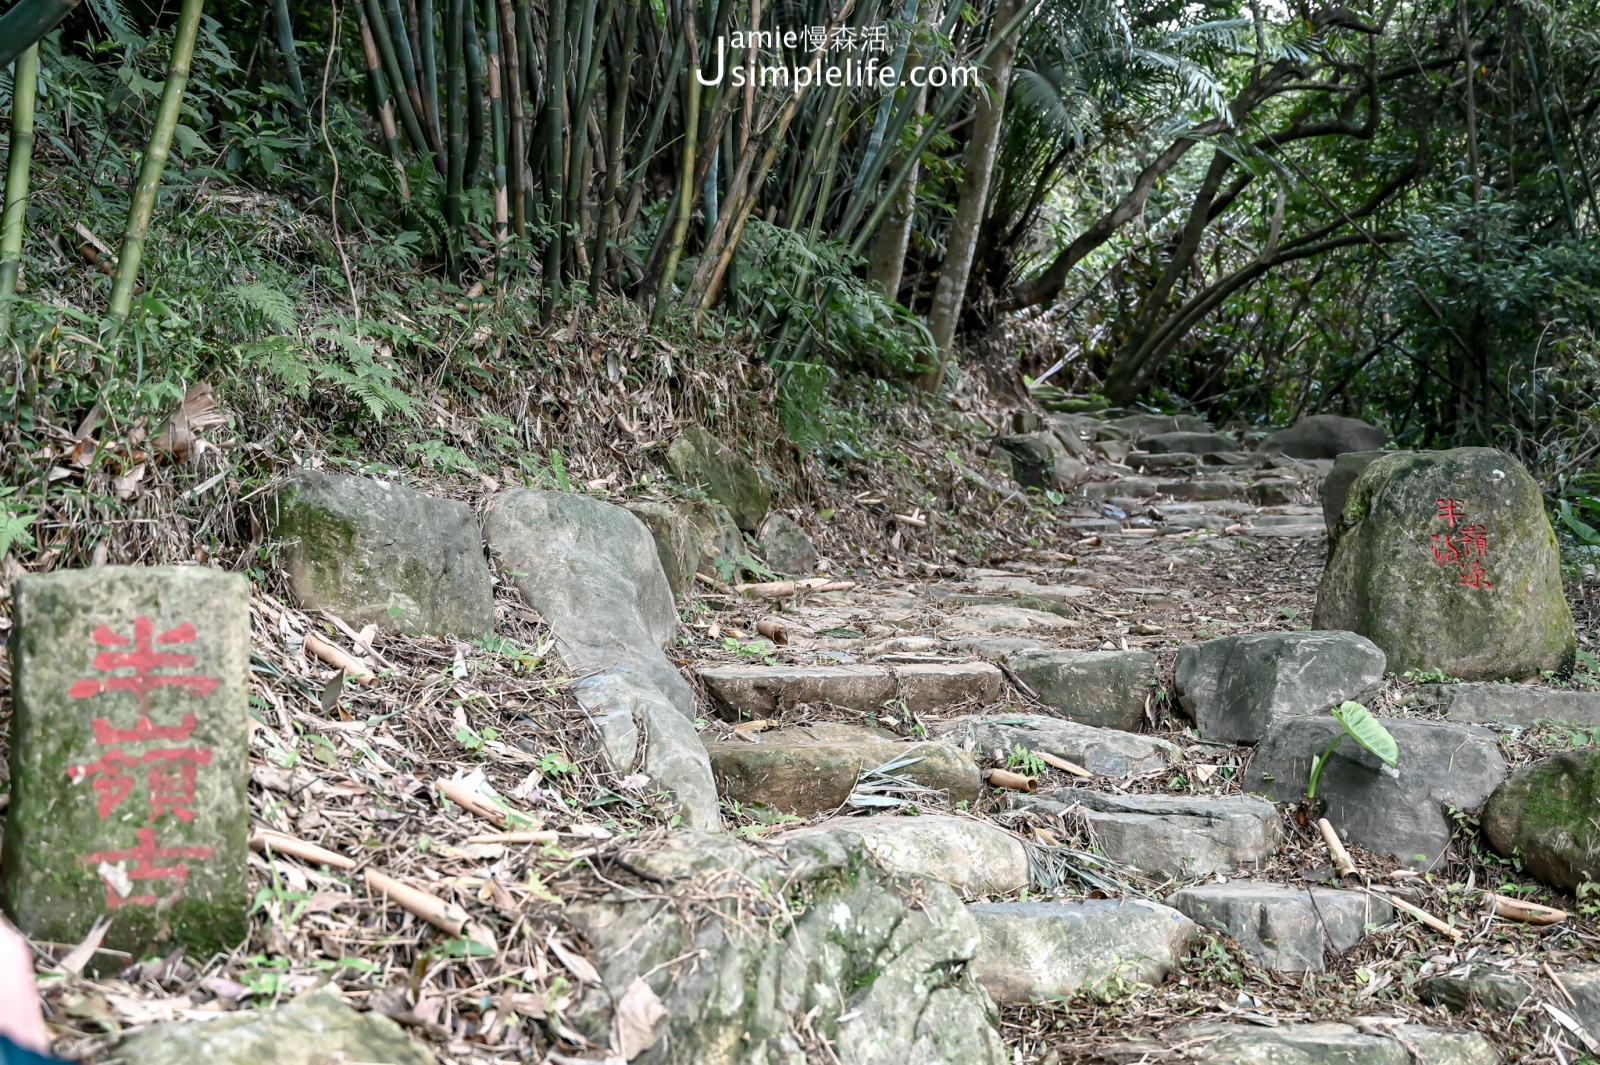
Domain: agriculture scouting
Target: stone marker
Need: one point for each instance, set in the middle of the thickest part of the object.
(786, 547)
(1325, 436)
(1284, 928)
(1170, 835)
(376, 553)
(1511, 704)
(1446, 560)
(1103, 688)
(1235, 687)
(315, 1029)
(1039, 950)
(128, 758)
(1398, 811)
(1546, 814)
(809, 769)
(1103, 751)
(699, 459)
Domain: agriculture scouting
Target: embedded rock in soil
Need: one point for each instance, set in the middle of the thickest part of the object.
(376, 553)
(312, 1030)
(1325, 436)
(973, 857)
(1102, 751)
(1383, 1043)
(1041, 461)
(1169, 835)
(786, 548)
(1399, 811)
(996, 647)
(1583, 984)
(1021, 587)
(1107, 689)
(1137, 426)
(1512, 704)
(1273, 492)
(1065, 429)
(699, 459)
(592, 571)
(676, 543)
(877, 967)
(123, 676)
(1483, 987)
(1545, 815)
(1188, 443)
(809, 769)
(1039, 950)
(1280, 927)
(1235, 687)
(1000, 617)
(717, 539)
(1203, 489)
(1446, 560)
(1136, 487)
(762, 691)
(1336, 486)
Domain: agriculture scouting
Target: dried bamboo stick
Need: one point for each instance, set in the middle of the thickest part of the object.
(266, 839)
(1341, 857)
(1420, 914)
(354, 669)
(445, 916)
(1063, 764)
(515, 837)
(1004, 778)
(1517, 910)
(784, 589)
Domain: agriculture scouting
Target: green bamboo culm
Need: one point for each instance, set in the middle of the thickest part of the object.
(155, 161)
(26, 24)
(24, 87)
(286, 51)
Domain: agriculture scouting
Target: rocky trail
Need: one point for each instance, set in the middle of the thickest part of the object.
(1046, 807)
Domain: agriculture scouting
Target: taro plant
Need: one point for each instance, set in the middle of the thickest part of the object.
(1362, 727)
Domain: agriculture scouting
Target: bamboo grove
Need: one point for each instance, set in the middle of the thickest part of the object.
(1159, 180)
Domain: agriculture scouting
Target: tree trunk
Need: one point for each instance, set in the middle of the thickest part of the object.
(24, 89)
(951, 291)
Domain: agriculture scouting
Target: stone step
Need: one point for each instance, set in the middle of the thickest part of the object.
(1203, 489)
(974, 857)
(1039, 950)
(1137, 487)
(761, 691)
(1107, 689)
(1102, 751)
(1365, 1041)
(809, 769)
(1283, 928)
(1171, 835)
(1512, 704)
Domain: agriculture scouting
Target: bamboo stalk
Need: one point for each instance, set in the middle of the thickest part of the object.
(446, 916)
(1004, 778)
(354, 669)
(680, 225)
(381, 101)
(291, 61)
(616, 117)
(1518, 910)
(1420, 914)
(155, 161)
(428, 64)
(784, 589)
(455, 149)
(264, 839)
(15, 219)
(497, 123)
(474, 99)
(26, 24)
(378, 24)
(517, 154)
(1341, 857)
(407, 79)
(1063, 764)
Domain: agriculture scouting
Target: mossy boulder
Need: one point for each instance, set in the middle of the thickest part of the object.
(676, 542)
(1446, 560)
(378, 553)
(786, 547)
(1545, 815)
(699, 459)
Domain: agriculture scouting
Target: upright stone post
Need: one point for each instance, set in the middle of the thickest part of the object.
(128, 757)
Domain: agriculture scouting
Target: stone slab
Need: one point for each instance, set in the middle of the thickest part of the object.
(762, 691)
(128, 758)
(1102, 751)
(1511, 704)
(1220, 1043)
(1283, 928)
(1041, 950)
(974, 857)
(1102, 688)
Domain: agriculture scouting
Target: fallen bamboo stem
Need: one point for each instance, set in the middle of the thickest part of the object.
(1063, 764)
(475, 802)
(784, 589)
(1517, 910)
(1341, 857)
(445, 916)
(263, 839)
(1420, 914)
(911, 520)
(515, 837)
(774, 630)
(339, 658)
(1004, 778)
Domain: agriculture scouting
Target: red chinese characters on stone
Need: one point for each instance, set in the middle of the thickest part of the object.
(169, 772)
(1465, 546)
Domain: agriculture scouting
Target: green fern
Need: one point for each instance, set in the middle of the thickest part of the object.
(15, 524)
(364, 377)
(271, 303)
(283, 358)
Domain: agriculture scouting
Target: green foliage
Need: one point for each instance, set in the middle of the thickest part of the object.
(1025, 760)
(1359, 724)
(15, 523)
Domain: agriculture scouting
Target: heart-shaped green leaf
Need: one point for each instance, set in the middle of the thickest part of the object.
(1362, 727)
